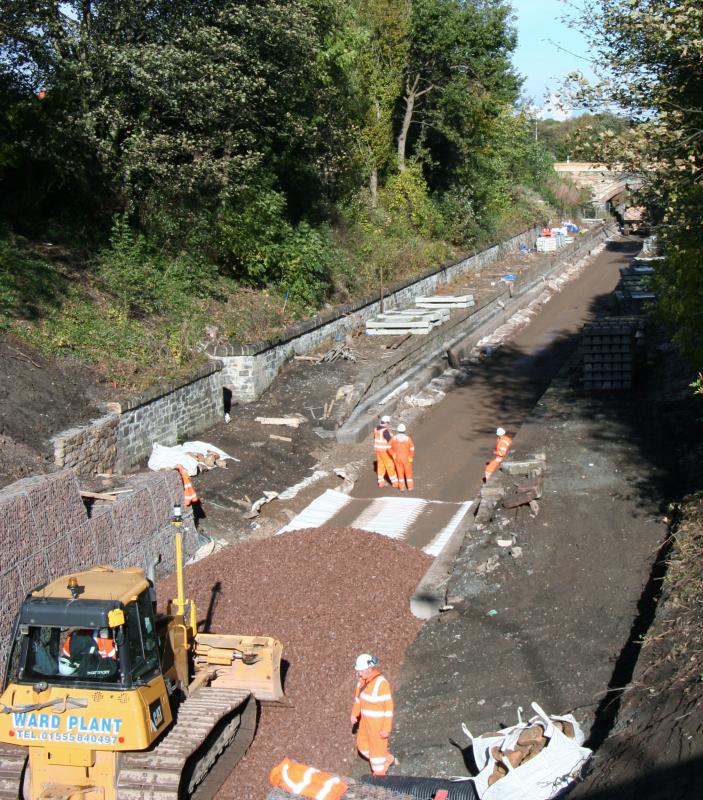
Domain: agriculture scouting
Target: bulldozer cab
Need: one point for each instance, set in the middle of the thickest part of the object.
(73, 644)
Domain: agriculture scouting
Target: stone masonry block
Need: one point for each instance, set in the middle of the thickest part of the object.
(134, 518)
(18, 533)
(83, 547)
(55, 502)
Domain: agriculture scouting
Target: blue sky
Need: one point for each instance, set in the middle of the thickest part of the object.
(541, 56)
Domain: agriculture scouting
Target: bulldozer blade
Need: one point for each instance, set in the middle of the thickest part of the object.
(242, 662)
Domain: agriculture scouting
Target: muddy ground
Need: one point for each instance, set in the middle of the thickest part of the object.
(39, 398)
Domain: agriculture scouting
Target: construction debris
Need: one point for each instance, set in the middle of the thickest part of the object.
(533, 466)
(525, 493)
(340, 351)
(280, 438)
(406, 321)
(291, 422)
(257, 506)
(192, 456)
(535, 759)
(104, 495)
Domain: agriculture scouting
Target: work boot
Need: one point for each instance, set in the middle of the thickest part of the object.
(391, 761)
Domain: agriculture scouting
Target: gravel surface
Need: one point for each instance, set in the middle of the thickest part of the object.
(327, 595)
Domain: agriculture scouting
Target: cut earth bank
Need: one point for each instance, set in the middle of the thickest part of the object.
(561, 624)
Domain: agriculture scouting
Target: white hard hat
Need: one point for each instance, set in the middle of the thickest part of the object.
(364, 661)
(401, 428)
(500, 431)
(66, 666)
(385, 418)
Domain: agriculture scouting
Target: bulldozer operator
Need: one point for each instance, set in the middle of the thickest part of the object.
(88, 654)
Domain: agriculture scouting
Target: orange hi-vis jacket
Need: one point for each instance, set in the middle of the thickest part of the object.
(502, 446)
(382, 438)
(189, 494)
(306, 781)
(373, 702)
(499, 453)
(402, 448)
(106, 647)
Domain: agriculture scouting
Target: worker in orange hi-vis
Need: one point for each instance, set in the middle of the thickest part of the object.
(503, 443)
(382, 446)
(189, 494)
(373, 710)
(307, 781)
(403, 452)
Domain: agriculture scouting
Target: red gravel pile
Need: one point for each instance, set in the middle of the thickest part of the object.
(327, 595)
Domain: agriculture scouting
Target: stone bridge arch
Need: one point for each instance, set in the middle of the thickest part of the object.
(603, 182)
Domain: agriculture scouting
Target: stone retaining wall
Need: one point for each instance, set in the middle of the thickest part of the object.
(167, 414)
(249, 369)
(46, 531)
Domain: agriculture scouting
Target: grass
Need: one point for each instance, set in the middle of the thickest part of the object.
(92, 310)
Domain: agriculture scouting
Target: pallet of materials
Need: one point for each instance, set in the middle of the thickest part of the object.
(445, 301)
(611, 352)
(635, 283)
(415, 321)
(546, 244)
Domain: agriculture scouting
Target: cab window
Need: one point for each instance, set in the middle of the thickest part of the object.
(141, 639)
(66, 655)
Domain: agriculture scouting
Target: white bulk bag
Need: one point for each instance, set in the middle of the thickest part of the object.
(545, 775)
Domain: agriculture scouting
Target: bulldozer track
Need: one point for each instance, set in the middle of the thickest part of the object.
(12, 761)
(213, 730)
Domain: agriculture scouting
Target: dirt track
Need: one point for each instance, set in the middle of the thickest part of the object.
(456, 437)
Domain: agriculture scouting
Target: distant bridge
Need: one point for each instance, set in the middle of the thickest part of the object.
(603, 182)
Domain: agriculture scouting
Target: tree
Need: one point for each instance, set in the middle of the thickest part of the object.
(382, 61)
(171, 108)
(458, 78)
(654, 52)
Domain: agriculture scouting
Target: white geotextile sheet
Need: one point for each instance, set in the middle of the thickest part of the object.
(163, 457)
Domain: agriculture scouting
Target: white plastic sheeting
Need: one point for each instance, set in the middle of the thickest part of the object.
(163, 457)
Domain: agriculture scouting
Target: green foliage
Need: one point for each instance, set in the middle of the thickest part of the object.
(260, 246)
(459, 79)
(308, 260)
(655, 49)
(405, 197)
(580, 138)
(29, 285)
(146, 281)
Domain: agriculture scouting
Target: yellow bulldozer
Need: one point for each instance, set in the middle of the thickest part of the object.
(107, 699)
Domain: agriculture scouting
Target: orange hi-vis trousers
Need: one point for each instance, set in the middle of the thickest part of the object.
(373, 747)
(385, 466)
(405, 474)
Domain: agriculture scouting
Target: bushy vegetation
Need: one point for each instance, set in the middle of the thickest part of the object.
(189, 154)
(654, 49)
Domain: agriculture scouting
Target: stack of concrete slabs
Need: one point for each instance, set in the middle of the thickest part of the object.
(410, 320)
(446, 301)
